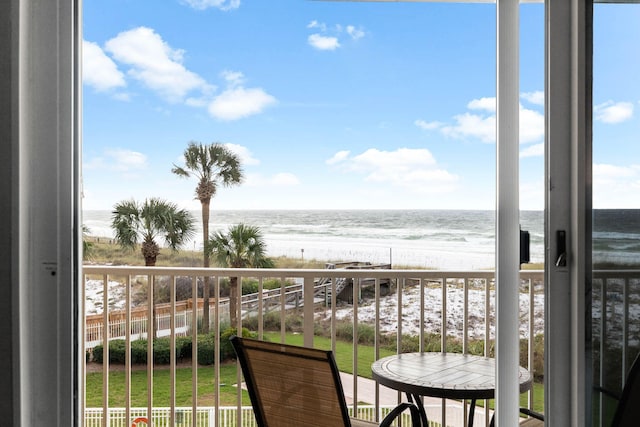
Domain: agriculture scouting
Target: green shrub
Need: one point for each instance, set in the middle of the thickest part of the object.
(275, 284)
(116, 352)
(139, 351)
(226, 349)
(366, 333)
(206, 349)
(249, 286)
(96, 353)
(184, 347)
(271, 322)
(161, 351)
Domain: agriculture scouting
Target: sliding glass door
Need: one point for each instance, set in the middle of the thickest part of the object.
(615, 289)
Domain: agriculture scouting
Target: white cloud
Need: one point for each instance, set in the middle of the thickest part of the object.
(316, 24)
(608, 173)
(327, 38)
(338, 157)
(532, 194)
(483, 126)
(122, 97)
(531, 125)
(321, 42)
(127, 160)
(354, 32)
(401, 159)
(487, 104)
(238, 102)
(472, 125)
(98, 70)
(155, 63)
(233, 78)
(200, 102)
(413, 169)
(616, 186)
(613, 112)
(428, 125)
(246, 157)
(282, 179)
(119, 160)
(536, 97)
(535, 150)
(220, 4)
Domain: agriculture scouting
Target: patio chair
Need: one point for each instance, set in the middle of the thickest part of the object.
(298, 386)
(628, 410)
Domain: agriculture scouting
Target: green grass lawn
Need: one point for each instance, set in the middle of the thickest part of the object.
(228, 393)
(161, 387)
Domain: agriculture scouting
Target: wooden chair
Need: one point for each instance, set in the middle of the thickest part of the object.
(298, 386)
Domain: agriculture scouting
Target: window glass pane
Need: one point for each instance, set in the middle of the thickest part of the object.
(616, 200)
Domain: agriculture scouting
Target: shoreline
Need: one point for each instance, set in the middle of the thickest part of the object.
(105, 247)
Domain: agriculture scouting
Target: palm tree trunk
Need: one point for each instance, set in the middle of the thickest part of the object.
(233, 298)
(206, 291)
(150, 252)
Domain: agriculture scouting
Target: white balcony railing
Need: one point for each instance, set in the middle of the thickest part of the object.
(456, 305)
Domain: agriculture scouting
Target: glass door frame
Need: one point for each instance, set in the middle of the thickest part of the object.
(568, 95)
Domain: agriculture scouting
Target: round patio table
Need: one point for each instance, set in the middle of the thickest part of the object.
(444, 375)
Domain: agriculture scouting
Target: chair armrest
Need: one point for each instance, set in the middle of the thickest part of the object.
(531, 413)
(606, 392)
(525, 411)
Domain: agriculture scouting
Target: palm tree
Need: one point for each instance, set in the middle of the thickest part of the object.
(213, 165)
(144, 223)
(242, 246)
(87, 246)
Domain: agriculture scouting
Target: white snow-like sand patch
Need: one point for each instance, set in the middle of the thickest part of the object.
(94, 296)
(433, 312)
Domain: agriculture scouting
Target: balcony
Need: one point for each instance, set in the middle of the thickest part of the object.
(387, 310)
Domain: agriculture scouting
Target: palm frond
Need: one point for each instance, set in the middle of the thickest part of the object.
(134, 223)
(242, 246)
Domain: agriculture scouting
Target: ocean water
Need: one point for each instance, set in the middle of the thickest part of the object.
(616, 237)
(443, 239)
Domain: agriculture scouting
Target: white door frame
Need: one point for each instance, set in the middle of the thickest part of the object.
(42, 151)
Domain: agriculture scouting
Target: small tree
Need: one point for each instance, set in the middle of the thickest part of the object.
(242, 246)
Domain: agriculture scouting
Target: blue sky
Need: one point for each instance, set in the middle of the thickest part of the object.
(335, 105)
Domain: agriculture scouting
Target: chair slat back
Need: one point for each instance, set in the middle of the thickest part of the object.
(290, 385)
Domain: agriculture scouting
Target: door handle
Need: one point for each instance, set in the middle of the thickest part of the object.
(561, 248)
